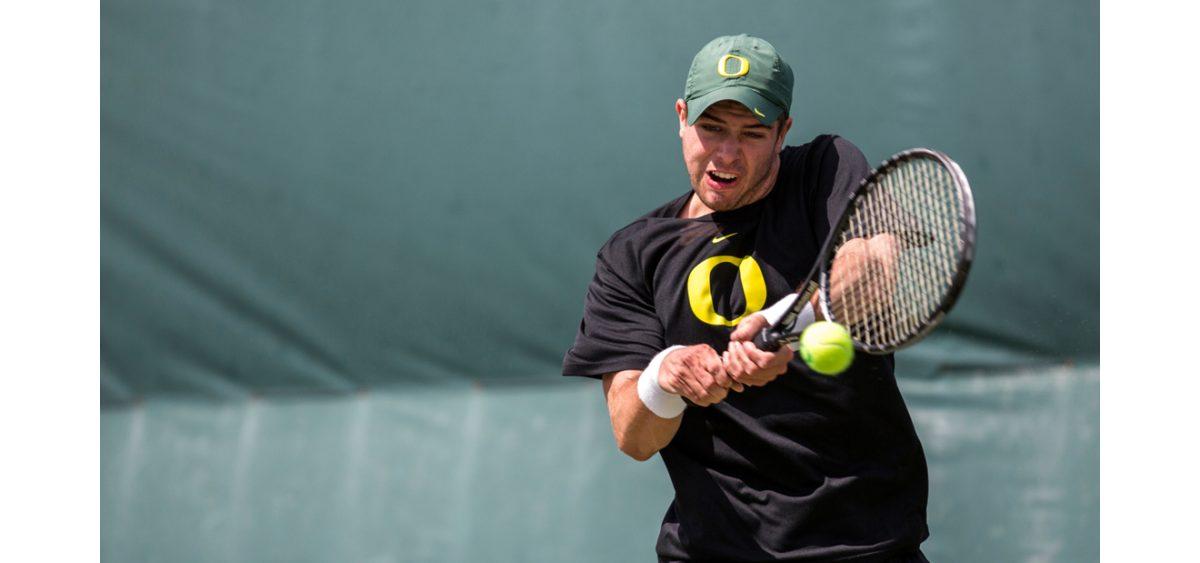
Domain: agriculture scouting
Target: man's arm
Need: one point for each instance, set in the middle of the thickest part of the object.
(748, 365)
(694, 372)
(639, 432)
(863, 277)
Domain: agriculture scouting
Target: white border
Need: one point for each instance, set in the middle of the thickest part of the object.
(49, 236)
(1149, 469)
(49, 242)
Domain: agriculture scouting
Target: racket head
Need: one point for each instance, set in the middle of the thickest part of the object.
(921, 201)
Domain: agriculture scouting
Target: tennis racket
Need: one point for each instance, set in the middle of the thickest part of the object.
(895, 261)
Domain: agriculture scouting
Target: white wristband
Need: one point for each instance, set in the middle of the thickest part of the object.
(660, 402)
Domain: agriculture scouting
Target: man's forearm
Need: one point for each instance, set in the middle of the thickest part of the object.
(863, 276)
(639, 432)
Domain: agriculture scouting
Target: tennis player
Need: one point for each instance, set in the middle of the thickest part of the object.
(769, 461)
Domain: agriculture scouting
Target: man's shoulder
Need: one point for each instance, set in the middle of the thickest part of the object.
(646, 225)
(818, 148)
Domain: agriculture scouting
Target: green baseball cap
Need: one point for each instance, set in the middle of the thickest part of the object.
(742, 68)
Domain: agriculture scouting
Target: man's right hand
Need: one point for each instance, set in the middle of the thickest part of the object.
(698, 374)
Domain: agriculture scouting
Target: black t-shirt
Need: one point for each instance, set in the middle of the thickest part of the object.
(808, 467)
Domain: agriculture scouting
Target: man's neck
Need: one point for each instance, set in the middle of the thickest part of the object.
(694, 208)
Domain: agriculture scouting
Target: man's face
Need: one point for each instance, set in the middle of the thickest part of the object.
(731, 158)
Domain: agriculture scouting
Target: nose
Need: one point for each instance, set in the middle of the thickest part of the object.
(726, 153)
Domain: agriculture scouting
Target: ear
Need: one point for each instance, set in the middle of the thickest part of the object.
(784, 127)
(681, 111)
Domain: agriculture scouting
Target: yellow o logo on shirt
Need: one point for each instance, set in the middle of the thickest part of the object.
(699, 287)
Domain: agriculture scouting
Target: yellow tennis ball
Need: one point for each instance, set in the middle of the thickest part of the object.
(827, 347)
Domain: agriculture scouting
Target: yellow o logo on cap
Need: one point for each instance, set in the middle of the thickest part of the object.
(723, 65)
(699, 289)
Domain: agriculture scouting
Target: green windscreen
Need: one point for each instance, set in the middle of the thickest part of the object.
(344, 246)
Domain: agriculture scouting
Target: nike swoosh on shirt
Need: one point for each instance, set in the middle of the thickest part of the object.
(719, 239)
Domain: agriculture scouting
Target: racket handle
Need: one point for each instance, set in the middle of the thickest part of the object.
(766, 341)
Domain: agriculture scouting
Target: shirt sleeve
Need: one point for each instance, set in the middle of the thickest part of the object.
(619, 330)
(840, 168)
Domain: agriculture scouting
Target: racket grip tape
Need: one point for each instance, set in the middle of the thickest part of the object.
(766, 340)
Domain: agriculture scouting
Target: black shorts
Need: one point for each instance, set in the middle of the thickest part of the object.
(907, 557)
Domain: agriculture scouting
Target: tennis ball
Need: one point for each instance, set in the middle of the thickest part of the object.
(826, 347)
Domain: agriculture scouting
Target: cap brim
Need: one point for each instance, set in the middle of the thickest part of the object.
(762, 108)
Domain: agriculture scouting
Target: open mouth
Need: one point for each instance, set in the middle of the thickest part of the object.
(721, 178)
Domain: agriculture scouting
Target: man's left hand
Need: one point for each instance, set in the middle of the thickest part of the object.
(748, 365)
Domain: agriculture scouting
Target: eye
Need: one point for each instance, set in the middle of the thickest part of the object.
(711, 128)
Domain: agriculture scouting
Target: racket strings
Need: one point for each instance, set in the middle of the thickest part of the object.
(897, 257)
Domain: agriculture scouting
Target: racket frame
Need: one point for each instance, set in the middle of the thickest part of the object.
(784, 331)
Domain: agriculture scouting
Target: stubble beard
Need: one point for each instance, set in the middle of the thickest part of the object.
(760, 188)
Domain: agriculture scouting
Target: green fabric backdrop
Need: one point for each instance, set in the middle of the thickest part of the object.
(311, 210)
